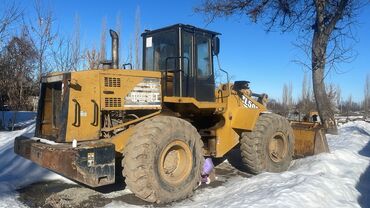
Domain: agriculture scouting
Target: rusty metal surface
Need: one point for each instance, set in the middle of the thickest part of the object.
(309, 137)
(91, 163)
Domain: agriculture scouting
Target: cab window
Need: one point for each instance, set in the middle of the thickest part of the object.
(187, 50)
(203, 48)
(158, 48)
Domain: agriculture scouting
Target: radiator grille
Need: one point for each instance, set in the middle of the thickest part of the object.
(113, 102)
(112, 82)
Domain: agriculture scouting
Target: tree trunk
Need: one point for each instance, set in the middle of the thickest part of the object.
(20, 99)
(319, 45)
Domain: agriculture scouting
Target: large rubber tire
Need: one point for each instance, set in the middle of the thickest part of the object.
(163, 159)
(269, 147)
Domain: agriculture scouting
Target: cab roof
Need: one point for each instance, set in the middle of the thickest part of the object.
(185, 26)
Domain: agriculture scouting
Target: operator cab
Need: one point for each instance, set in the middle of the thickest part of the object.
(184, 54)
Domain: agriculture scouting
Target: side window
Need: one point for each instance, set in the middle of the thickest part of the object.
(149, 64)
(187, 43)
(158, 48)
(203, 45)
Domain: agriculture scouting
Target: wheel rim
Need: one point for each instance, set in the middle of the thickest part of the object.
(176, 162)
(278, 147)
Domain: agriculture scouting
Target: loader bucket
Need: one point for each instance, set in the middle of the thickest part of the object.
(310, 139)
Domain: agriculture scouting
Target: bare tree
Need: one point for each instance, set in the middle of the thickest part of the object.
(137, 39)
(9, 15)
(92, 57)
(62, 55)
(328, 22)
(332, 97)
(367, 95)
(284, 97)
(275, 106)
(305, 103)
(42, 35)
(130, 56)
(103, 40)
(304, 87)
(67, 52)
(348, 105)
(290, 96)
(339, 98)
(76, 44)
(287, 99)
(119, 32)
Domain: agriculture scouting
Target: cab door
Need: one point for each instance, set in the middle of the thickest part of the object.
(204, 78)
(187, 64)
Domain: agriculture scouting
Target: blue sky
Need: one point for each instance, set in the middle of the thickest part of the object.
(247, 51)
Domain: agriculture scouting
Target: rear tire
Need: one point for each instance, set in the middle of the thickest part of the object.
(163, 159)
(269, 147)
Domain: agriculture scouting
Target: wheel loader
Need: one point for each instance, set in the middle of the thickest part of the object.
(159, 124)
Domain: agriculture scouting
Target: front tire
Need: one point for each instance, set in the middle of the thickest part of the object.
(163, 159)
(269, 147)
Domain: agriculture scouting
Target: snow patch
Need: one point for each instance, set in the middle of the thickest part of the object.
(325, 180)
(17, 172)
(340, 178)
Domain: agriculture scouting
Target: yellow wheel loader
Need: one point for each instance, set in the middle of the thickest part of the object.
(158, 124)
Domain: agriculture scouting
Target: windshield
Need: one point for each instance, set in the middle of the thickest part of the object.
(158, 48)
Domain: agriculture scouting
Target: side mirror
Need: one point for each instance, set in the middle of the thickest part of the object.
(216, 45)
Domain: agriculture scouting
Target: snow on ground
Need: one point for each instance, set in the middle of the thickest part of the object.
(17, 172)
(337, 179)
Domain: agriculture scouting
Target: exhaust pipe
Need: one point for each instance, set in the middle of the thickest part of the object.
(115, 46)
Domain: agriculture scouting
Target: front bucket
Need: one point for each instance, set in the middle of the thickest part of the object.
(310, 139)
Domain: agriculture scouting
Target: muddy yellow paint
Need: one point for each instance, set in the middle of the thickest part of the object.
(238, 118)
(88, 85)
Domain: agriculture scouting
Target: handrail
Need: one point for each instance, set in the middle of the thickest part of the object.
(127, 64)
(96, 113)
(176, 71)
(77, 120)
